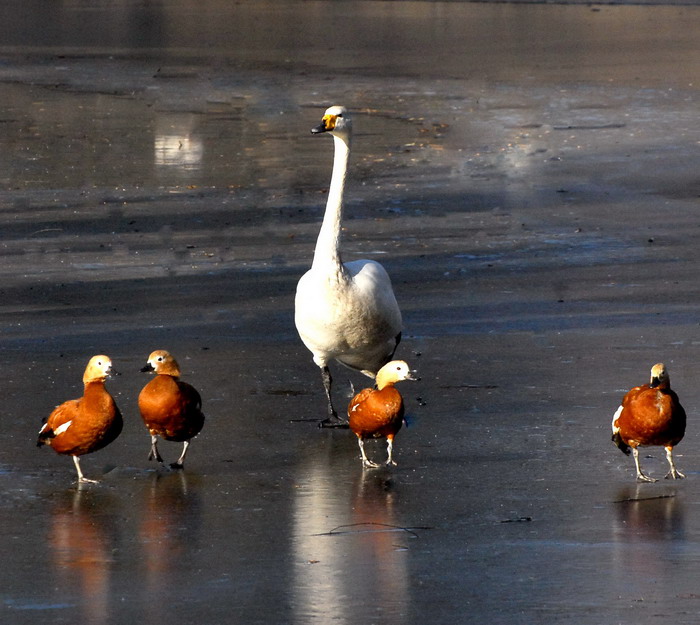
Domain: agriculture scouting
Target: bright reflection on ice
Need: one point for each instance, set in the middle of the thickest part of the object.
(176, 144)
(349, 548)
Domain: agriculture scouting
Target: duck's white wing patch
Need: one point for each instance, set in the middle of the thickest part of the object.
(62, 428)
(616, 429)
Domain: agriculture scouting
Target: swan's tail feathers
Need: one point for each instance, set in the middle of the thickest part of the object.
(622, 446)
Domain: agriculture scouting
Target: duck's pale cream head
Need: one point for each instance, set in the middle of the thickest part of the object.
(162, 362)
(659, 375)
(336, 120)
(393, 372)
(98, 369)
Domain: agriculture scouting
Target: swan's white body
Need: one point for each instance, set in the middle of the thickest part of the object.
(344, 311)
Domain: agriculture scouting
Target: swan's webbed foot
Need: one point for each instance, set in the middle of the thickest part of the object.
(333, 422)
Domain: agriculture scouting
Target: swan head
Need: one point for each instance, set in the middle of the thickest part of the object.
(336, 120)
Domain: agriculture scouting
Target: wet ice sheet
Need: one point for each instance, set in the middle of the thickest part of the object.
(528, 179)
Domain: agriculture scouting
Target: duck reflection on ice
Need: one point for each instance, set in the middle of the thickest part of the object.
(645, 514)
(168, 528)
(349, 550)
(87, 538)
(82, 536)
(648, 521)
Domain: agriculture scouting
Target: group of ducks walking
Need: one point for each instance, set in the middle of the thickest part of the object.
(345, 312)
(170, 408)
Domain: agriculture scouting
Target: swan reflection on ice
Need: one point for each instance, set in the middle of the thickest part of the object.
(347, 547)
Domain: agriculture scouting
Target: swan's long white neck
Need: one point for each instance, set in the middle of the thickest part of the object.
(328, 243)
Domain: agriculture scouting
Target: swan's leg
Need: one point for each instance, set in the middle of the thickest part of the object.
(640, 476)
(673, 473)
(81, 478)
(180, 463)
(390, 449)
(366, 462)
(397, 338)
(332, 421)
(327, 383)
(154, 455)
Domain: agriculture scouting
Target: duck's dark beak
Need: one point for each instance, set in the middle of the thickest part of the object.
(148, 368)
(318, 129)
(413, 375)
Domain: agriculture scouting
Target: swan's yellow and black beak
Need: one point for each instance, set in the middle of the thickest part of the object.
(327, 124)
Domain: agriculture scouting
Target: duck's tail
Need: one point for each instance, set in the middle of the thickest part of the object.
(45, 433)
(622, 446)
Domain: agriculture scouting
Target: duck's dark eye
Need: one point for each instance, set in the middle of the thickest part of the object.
(160, 359)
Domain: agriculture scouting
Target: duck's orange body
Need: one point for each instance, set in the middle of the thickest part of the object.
(171, 408)
(379, 412)
(373, 413)
(650, 415)
(81, 426)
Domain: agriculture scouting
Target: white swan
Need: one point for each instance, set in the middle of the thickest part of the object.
(344, 311)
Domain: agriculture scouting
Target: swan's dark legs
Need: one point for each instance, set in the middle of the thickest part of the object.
(332, 421)
(397, 338)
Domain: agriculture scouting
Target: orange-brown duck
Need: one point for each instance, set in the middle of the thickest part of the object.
(379, 412)
(81, 426)
(171, 408)
(650, 415)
